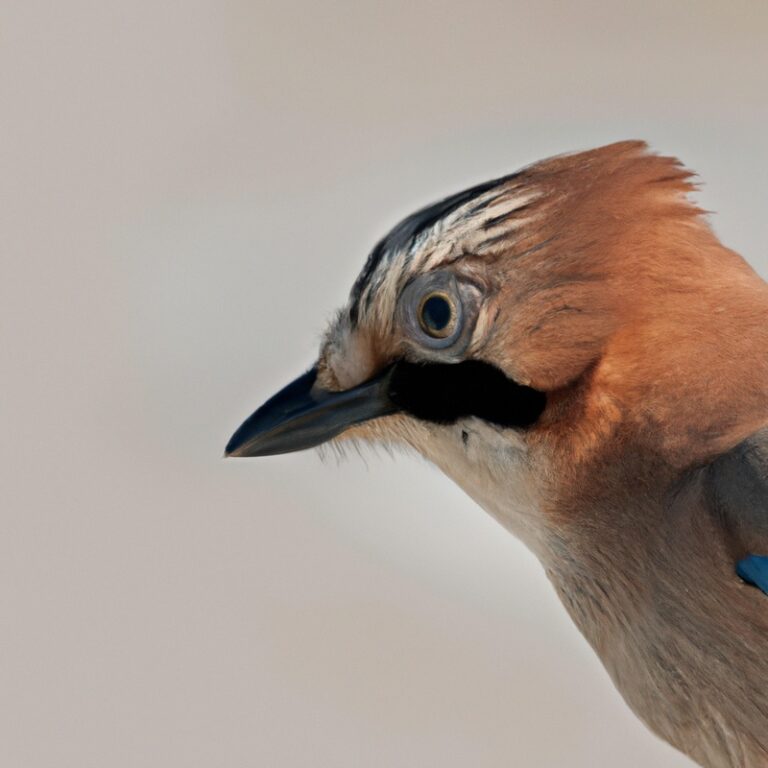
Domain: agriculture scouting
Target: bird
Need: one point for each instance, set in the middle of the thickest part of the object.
(573, 345)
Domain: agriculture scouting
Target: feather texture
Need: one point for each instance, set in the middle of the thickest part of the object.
(643, 485)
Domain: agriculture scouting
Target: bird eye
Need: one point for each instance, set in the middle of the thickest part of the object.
(437, 314)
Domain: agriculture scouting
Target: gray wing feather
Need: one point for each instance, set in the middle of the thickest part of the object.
(738, 490)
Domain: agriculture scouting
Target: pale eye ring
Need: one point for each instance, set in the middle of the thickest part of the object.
(437, 314)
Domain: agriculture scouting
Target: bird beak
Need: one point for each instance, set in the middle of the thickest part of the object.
(302, 415)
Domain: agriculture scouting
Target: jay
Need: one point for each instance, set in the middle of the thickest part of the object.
(575, 348)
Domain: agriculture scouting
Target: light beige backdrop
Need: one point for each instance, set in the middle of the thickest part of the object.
(187, 190)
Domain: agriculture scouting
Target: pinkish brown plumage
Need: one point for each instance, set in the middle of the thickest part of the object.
(592, 368)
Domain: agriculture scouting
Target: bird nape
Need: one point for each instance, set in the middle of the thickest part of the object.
(540, 338)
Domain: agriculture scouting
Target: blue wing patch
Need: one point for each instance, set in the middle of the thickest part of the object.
(754, 570)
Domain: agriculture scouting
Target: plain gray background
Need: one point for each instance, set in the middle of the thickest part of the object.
(188, 190)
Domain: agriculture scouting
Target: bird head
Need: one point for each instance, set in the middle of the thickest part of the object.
(536, 325)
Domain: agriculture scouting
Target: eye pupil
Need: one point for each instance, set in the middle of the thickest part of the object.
(436, 315)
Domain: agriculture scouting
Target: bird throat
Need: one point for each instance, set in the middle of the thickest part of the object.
(445, 392)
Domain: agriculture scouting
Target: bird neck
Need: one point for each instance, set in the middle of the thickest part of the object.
(649, 580)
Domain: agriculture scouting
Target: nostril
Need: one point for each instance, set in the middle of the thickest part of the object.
(464, 436)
